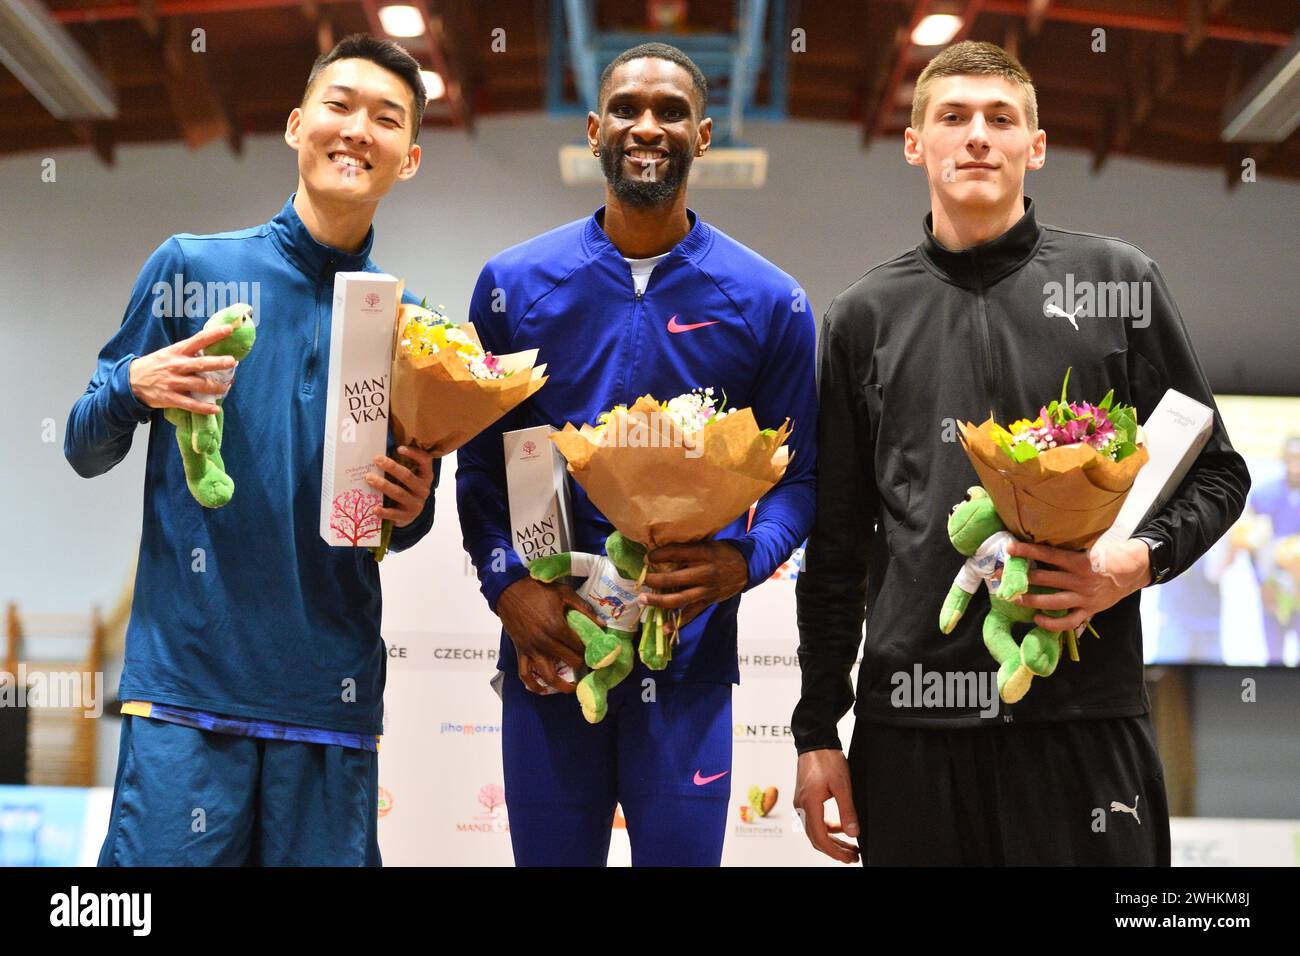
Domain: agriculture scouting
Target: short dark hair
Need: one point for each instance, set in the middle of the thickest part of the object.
(385, 53)
(658, 51)
(974, 58)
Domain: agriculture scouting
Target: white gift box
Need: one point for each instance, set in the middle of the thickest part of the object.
(538, 489)
(1176, 431)
(356, 416)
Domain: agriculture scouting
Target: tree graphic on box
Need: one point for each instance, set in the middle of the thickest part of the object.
(353, 515)
(492, 796)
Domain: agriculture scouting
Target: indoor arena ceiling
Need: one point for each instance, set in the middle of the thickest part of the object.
(1171, 78)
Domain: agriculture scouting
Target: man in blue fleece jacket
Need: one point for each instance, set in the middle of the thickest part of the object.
(254, 675)
(641, 298)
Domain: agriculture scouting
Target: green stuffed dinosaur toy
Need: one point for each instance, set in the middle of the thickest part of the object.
(613, 583)
(199, 436)
(976, 531)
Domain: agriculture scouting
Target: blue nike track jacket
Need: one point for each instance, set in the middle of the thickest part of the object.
(244, 610)
(715, 313)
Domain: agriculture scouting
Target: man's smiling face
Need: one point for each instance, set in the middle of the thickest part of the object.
(976, 144)
(648, 131)
(353, 132)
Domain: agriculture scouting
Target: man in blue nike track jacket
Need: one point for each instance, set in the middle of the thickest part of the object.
(254, 678)
(642, 298)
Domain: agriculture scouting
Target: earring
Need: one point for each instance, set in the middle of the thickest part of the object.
(596, 152)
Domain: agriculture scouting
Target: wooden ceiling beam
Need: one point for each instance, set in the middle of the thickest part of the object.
(131, 10)
(97, 136)
(1141, 22)
(1034, 15)
(148, 17)
(200, 111)
(451, 33)
(895, 66)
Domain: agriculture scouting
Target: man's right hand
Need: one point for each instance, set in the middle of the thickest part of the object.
(824, 774)
(164, 379)
(533, 615)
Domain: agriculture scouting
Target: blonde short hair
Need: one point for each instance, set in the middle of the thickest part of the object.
(974, 58)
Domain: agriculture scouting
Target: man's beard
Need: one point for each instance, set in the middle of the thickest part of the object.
(645, 193)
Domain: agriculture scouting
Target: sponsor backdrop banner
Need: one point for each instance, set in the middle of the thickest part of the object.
(442, 799)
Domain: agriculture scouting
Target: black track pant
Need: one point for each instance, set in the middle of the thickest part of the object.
(1069, 792)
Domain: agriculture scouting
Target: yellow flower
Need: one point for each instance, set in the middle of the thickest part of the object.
(1024, 425)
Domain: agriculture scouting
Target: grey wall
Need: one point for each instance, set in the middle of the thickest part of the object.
(71, 250)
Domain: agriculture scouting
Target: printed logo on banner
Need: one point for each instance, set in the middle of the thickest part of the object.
(468, 730)
(789, 569)
(385, 802)
(766, 659)
(463, 656)
(491, 817)
(761, 733)
(759, 816)
(443, 650)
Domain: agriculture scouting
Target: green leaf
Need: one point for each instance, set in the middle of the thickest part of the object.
(1066, 383)
(1023, 451)
(1125, 422)
(1106, 402)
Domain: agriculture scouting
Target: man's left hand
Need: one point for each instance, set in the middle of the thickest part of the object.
(408, 486)
(1081, 590)
(709, 572)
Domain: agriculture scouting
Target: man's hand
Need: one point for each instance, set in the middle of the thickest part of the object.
(708, 572)
(1082, 591)
(824, 774)
(164, 379)
(533, 615)
(408, 486)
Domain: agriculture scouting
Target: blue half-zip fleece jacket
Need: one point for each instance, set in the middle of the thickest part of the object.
(714, 313)
(244, 610)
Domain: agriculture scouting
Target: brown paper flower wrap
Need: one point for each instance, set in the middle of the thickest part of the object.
(1065, 497)
(659, 486)
(437, 404)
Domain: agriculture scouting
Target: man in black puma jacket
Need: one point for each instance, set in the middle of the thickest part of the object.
(984, 316)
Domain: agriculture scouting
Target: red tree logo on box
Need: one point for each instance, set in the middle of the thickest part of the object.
(372, 299)
(492, 796)
(353, 516)
(529, 447)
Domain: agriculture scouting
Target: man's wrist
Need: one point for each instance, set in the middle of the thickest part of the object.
(745, 550)
(122, 390)
(502, 581)
(744, 546)
(1157, 553)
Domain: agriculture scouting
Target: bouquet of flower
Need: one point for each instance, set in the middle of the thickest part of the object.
(1062, 478)
(1058, 480)
(1284, 582)
(672, 472)
(1111, 431)
(446, 387)
(429, 332)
